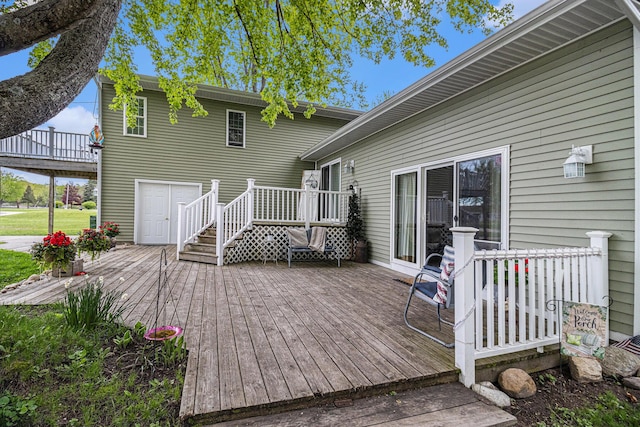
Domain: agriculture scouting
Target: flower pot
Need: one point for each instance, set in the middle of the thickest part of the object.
(70, 269)
(113, 242)
(361, 253)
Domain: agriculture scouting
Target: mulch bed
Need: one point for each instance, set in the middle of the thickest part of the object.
(565, 392)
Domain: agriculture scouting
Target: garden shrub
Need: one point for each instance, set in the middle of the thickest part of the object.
(92, 306)
(89, 204)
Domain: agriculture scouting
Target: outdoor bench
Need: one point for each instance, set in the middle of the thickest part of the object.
(309, 241)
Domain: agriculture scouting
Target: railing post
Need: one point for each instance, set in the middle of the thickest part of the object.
(181, 228)
(215, 186)
(250, 184)
(599, 285)
(464, 303)
(220, 233)
(307, 205)
(52, 138)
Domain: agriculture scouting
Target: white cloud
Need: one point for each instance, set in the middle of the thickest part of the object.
(74, 120)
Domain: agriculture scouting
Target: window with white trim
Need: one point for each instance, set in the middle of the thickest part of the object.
(235, 128)
(140, 128)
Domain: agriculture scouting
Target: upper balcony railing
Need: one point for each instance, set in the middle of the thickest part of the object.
(49, 144)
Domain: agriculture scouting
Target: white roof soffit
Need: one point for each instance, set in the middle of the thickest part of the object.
(247, 98)
(554, 24)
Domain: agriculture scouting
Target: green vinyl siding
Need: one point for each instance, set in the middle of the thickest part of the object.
(195, 151)
(580, 94)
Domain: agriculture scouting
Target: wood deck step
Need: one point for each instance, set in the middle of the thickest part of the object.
(202, 257)
(207, 239)
(443, 405)
(200, 247)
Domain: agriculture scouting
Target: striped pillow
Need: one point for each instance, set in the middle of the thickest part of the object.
(447, 263)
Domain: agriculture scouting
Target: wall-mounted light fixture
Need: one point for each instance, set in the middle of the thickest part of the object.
(311, 182)
(578, 157)
(349, 165)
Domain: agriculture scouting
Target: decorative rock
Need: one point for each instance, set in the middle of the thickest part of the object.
(619, 362)
(585, 370)
(631, 382)
(494, 395)
(517, 383)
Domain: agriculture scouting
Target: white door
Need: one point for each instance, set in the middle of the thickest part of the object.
(157, 210)
(154, 213)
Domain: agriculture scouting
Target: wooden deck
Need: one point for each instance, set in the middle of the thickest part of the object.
(266, 338)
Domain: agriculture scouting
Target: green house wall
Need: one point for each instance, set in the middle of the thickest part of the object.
(580, 94)
(194, 151)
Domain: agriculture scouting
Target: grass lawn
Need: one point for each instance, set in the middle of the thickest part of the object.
(34, 222)
(15, 266)
(54, 375)
(54, 372)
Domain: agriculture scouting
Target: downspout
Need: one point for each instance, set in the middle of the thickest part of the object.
(628, 7)
(96, 79)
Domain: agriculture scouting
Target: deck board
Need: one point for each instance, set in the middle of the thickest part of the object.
(267, 336)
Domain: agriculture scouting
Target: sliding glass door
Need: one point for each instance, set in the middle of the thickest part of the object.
(329, 205)
(405, 216)
(480, 199)
(468, 191)
(439, 209)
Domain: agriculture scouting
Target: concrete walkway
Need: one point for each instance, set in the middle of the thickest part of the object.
(18, 243)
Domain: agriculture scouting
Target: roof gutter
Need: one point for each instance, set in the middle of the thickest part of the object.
(630, 8)
(523, 25)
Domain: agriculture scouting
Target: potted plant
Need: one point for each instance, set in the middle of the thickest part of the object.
(93, 242)
(355, 230)
(56, 251)
(111, 230)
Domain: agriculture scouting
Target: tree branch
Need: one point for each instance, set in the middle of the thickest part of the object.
(31, 99)
(45, 19)
(246, 31)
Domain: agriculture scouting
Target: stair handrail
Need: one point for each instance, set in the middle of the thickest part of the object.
(234, 219)
(197, 216)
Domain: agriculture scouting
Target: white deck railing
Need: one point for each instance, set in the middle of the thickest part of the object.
(281, 205)
(49, 144)
(197, 216)
(509, 301)
(262, 204)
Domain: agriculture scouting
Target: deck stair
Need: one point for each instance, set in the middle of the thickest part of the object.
(206, 226)
(204, 249)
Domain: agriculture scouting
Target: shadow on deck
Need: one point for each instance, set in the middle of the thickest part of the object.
(266, 338)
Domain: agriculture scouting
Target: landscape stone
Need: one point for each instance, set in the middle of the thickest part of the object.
(619, 362)
(584, 369)
(492, 394)
(517, 383)
(631, 382)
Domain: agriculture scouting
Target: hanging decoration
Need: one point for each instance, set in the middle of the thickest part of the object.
(96, 138)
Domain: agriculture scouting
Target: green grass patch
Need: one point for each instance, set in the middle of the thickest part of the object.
(81, 377)
(35, 222)
(15, 266)
(607, 411)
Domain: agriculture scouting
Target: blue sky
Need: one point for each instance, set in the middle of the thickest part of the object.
(390, 76)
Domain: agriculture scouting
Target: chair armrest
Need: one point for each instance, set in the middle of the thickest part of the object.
(433, 255)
